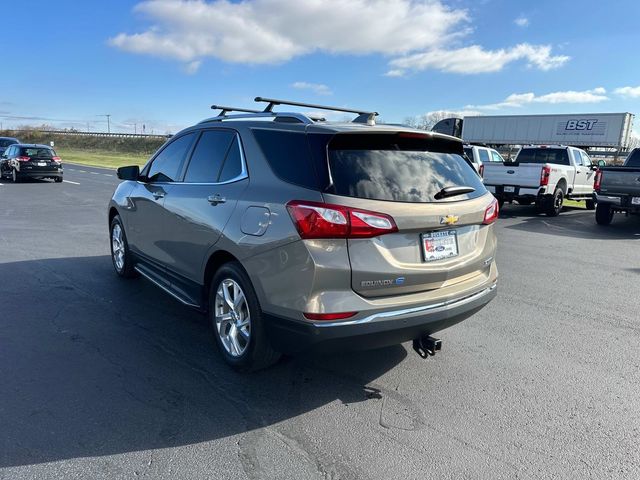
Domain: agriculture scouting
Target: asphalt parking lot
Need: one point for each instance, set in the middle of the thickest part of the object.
(106, 378)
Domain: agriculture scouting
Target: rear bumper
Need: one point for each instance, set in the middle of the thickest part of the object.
(39, 173)
(377, 330)
(529, 192)
(619, 202)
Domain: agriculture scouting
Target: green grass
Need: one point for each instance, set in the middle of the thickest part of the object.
(96, 158)
(574, 204)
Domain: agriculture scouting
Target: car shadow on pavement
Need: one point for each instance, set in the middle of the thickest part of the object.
(94, 365)
(572, 222)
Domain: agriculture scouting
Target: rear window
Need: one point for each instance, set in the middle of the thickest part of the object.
(469, 153)
(5, 142)
(558, 156)
(388, 167)
(37, 152)
(634, 159)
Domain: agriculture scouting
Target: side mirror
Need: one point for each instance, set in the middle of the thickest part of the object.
(129, 173)
(602, 163)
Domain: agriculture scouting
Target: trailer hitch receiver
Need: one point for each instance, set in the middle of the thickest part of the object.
(427, 346)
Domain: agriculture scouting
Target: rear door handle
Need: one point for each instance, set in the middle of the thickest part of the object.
(216, 199)
(158, 195)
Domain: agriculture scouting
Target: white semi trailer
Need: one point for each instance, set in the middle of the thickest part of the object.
(606, 130)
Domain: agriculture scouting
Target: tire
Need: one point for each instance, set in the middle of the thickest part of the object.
(58, 179)
(123, 266)
(15, 178)
(251, 349)
(500, 202)
(590, 204)
(554, 205)
(604, 214)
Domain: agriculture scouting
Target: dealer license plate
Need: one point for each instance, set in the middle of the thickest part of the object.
(635, 200)
(508, 189)
(439, 245)
(42, 164)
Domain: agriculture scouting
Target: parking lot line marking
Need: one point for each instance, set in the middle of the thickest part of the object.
(83, 171)
(107, 175)
(69, 181)
(94, 173)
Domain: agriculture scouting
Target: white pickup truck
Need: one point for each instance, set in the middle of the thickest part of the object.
(545, 175)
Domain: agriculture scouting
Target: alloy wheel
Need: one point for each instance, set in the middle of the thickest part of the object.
(117, 247)
(232, 317)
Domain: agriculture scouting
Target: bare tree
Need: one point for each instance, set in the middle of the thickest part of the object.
(428, 120)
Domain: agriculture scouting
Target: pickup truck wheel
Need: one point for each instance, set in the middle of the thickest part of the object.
(591, 204)
(554, 207)
(604, 214)
(237, 321)
(500, 202)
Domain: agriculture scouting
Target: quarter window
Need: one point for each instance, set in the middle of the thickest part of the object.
(233, 164)
(496, 157)
(208, 156)
(167, 165)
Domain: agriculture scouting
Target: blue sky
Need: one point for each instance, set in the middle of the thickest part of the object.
(163, 62)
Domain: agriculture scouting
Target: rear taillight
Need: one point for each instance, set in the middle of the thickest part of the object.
(56, 159)
(323, 220)
(481, 171)
(329, 316)
(491, 213)
(544, 176)
(23, 159)
(597, 181)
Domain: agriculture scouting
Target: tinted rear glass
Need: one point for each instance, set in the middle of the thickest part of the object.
(37, 152)
(469, 153)
(634, 159)
(559, 156)
(288, 156)
(208, 156)
(400, 171)
(6, 142)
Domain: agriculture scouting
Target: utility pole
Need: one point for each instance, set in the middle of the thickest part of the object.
(108, 115)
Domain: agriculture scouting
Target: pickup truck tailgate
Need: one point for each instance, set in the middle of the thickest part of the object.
(522, 175)
(620, 180)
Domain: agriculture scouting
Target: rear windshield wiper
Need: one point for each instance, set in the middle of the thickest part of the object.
(452, 192)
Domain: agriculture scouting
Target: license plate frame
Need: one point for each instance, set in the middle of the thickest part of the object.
(439, 245)
(509, 189)
(635, 200)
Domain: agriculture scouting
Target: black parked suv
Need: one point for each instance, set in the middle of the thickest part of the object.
(5, 142)
(21, 161)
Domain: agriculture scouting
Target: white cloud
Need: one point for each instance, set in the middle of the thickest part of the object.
(274, 31)
(417, 33)
(317, 88)
(521, 21)
(475, 59)
(594, 95)
(628, 92)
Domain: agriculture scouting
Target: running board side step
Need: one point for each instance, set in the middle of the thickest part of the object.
(427, 346)
(159, 282)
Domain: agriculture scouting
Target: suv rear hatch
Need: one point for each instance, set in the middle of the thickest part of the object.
(441, 238)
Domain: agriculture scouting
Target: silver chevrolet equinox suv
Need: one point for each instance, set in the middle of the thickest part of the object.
(296, 234)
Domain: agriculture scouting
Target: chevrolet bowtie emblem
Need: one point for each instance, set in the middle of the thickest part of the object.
(449, 220)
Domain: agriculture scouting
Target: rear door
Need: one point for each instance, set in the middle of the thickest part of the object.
(200, 206)
(440, 241)
(582, 172)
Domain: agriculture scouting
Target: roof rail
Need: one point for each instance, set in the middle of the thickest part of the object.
(225, 110)
(363, 116)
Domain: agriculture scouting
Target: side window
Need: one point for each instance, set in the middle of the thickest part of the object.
(469, 152)
(7, 152)
(586, 161)
(233, 163)
(577, 157)
(484, 155)
(208, 156)
(167, 165)
(496, 157)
